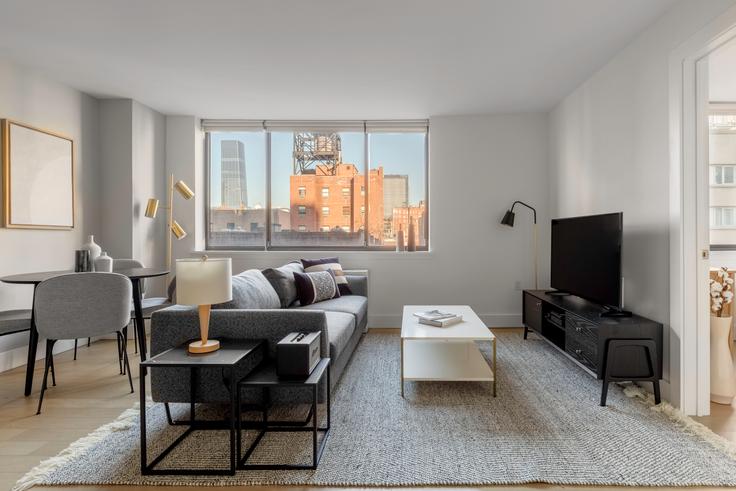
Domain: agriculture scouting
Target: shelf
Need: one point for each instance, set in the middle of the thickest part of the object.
(445, 361)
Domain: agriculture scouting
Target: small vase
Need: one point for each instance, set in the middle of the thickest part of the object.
(103, 263)
(411, 241)
(722, 376)
(400, 240)
(94, 249)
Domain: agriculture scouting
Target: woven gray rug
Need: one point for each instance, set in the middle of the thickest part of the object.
(544, 426)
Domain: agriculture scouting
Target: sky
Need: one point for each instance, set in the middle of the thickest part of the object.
(398, 153)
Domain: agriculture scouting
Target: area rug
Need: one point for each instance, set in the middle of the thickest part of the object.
(545, 426)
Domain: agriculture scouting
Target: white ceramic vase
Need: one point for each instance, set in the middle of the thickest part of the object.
(103, 263)
(94, 249)
(722, 375)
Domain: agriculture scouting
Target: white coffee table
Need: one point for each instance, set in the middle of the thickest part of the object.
(445, 353)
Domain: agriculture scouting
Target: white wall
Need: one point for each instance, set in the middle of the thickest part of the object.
(609, 151)
(30, 98)
(133, 139)
(479, 166)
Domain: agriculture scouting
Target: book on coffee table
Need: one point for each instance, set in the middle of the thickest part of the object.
(443, 322)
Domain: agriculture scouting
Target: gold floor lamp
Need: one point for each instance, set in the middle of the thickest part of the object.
(172, 226)
(508, 220)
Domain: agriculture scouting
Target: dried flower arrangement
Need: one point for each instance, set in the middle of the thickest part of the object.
(721, 291)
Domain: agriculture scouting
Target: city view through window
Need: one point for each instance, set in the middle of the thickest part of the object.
(326, 189)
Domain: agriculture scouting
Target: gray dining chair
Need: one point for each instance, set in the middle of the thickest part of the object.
(79, 305)
(149, 305)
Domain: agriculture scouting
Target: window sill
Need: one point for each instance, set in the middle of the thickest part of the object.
(292, 254)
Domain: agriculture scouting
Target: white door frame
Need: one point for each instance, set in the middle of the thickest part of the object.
(689, 310)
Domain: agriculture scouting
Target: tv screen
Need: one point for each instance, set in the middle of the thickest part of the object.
(586, 257)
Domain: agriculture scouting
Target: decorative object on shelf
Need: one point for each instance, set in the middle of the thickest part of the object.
(722, 375)
(94, 251)
(411, 241)
(204, 282)
(81, 261)
(400, 239)
(508, 220)
(172, 226)
(38, 177)
(103, 263)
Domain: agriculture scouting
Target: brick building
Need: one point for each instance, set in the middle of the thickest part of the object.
(323, 201)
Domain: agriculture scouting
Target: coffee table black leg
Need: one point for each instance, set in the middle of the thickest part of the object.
(234, 412)
(32, 348)
(142, 393)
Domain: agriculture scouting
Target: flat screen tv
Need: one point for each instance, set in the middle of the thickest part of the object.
(586, 257)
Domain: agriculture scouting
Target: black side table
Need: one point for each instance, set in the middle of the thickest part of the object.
(265, 377)
(231, 353)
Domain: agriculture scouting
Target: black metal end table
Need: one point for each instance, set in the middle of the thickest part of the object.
(266, 378)
(230, 354)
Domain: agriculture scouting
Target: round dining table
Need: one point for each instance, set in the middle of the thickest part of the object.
(135, 275)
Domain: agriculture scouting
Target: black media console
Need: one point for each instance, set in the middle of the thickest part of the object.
(610, 348)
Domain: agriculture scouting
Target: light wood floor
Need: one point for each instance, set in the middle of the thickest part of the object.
(90, 393)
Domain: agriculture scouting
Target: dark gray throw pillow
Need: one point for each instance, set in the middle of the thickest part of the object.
(282, 280)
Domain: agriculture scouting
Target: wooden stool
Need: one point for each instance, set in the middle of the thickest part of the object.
(631, 349)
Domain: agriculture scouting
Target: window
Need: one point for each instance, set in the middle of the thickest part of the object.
(237, 189)
(723, 175)
(723, 217)
(269, 184)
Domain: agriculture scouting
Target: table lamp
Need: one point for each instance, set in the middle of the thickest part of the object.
(203, 282)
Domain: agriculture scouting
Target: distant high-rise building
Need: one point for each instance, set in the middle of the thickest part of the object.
(234, 191)
(395, 193)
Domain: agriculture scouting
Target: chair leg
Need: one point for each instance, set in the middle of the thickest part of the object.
(120, 354)
(127, 362)
(75, 349)
(53, 370)
(89, 341)
(123, 347)
(47, 366)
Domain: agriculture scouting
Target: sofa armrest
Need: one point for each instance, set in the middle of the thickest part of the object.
(358, 284)
(175, 325)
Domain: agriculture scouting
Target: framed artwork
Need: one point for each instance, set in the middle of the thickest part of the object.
(38, 177)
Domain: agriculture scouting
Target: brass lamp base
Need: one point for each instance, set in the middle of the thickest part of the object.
(204, 347)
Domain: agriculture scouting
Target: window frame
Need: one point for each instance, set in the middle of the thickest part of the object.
(209, 126)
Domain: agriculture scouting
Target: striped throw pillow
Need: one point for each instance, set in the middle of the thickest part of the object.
(315, 287)
(329, 263)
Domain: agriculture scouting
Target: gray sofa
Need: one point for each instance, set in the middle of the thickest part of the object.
(342, 322)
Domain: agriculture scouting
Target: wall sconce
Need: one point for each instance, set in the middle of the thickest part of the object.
(172, 225)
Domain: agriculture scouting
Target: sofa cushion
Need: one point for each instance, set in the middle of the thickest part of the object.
(340, 327)
(282, 280)
(329, 263)
(251, 290)
(349, 304)
(316, 287)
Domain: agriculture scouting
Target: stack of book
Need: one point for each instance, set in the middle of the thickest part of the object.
(438, 318)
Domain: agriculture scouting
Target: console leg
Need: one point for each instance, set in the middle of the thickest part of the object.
(657, 396)
(526, 331)
(604, 392)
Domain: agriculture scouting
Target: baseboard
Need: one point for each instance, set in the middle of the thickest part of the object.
(17, 357)
(491, 320)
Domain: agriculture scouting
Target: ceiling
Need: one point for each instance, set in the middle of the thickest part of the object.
(322, 59)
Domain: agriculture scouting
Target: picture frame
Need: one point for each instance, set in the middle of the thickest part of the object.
(38, 178)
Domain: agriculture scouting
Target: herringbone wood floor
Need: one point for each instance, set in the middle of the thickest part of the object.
(91, 392)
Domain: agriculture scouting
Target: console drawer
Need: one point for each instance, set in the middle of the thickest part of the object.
(582, 330)
(532, 312)
(584, 353)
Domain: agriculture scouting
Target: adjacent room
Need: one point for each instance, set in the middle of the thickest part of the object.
(385, 244)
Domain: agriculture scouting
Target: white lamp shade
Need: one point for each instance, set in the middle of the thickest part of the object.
(204, 281)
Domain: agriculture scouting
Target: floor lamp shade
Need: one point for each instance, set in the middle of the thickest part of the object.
(204, 282)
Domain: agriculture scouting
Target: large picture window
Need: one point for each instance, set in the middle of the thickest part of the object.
(281, 185)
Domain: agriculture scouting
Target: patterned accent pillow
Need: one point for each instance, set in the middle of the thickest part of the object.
(329, 263)
(316, 287)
